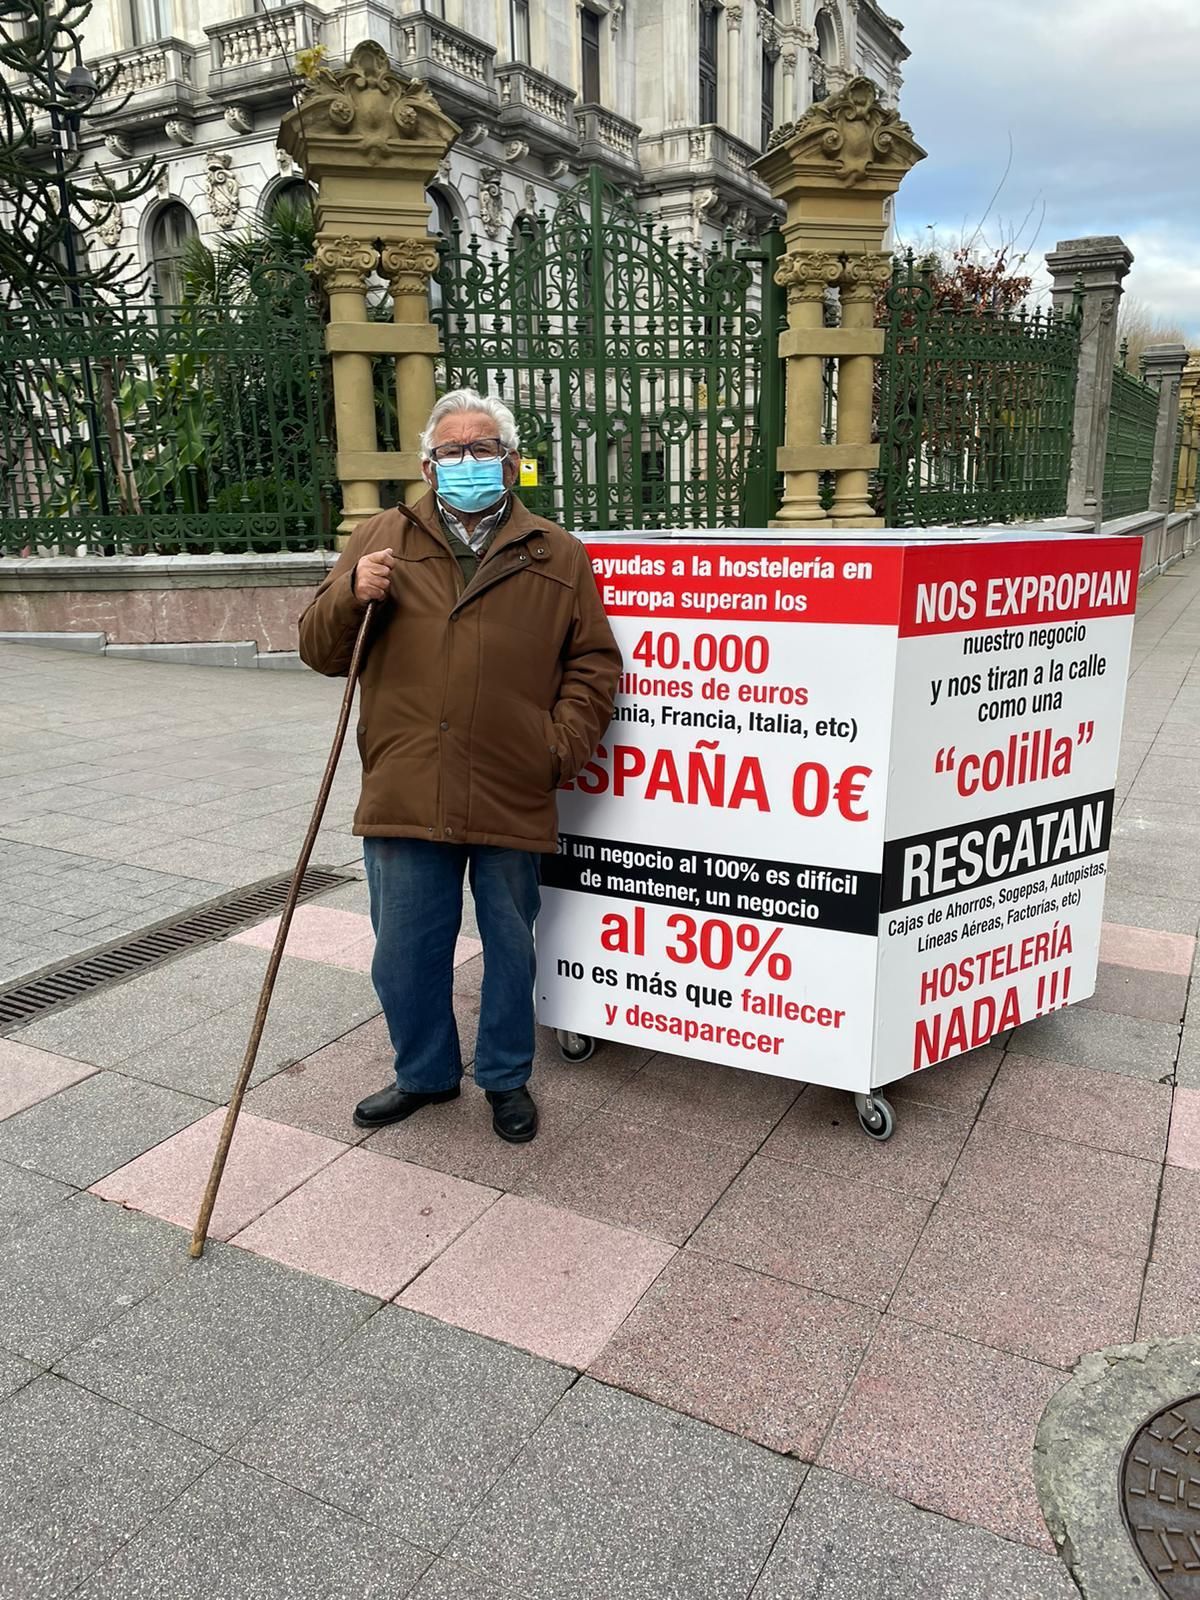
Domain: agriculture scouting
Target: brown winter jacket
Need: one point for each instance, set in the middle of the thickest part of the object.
(475, 703)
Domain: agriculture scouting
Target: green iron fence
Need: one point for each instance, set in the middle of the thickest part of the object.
(127, 427)
(975, 408)
(644, 375)
(1129, 452)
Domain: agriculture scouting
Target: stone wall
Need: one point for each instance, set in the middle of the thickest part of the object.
(152, 600)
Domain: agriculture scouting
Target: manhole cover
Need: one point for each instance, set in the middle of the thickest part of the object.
(1160, 1497)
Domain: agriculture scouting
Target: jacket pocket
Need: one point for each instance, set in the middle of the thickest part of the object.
(552, 753)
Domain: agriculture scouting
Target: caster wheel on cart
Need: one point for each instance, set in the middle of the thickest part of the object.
(875, 1116)
(575, 1046)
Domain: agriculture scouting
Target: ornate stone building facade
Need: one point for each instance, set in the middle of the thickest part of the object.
(673, 97)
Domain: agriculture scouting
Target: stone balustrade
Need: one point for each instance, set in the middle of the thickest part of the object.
(251, 57)
(452, 62)
(608, 139)
(149, 85)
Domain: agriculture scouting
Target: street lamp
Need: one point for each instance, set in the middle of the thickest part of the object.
(79, 90)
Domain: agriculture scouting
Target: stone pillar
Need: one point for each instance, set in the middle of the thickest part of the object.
(1187, 492)
(835, 169)
(372, 142)
(1162, 366)
(1099, 266)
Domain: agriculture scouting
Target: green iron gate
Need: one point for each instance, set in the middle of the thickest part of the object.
(129, 427)
(644, 376)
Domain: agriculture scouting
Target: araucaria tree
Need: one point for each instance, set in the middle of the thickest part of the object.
(48, 202)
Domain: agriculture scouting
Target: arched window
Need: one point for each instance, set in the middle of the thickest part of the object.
(172, 228)
(296, 193)
(827, 39)
(441, 215)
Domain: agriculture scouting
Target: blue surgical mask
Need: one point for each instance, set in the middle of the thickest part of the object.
(470, 485)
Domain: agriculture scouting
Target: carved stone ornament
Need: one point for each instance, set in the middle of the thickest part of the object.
(408, 264)
(558, 169)
(370, 105)
(285, 163)
(616, 11)
(733, 17)
(343, 263)
(221, 185)
(863, 276)
(516, 150)
(806, 274)
(530, 197)
(238, 119)
(854, 131)
(179, 132)
(110, 222)
(491, 201)
(162, 183)
(788, 57)
(119, 147)
(475, 133)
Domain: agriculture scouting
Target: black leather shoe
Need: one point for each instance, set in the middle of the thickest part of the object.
(393, 1104)
(514, 1115)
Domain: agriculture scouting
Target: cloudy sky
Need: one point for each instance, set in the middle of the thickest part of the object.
(1101, 99)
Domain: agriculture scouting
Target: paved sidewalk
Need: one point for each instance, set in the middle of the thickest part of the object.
(700, 1341)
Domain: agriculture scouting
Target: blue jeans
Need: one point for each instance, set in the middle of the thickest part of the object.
(416, 910)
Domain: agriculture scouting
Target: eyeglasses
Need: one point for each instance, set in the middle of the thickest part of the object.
(479, 449)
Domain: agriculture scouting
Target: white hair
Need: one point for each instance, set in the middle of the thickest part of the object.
(460, 400)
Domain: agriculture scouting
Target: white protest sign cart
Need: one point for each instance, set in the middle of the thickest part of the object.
(852, 815)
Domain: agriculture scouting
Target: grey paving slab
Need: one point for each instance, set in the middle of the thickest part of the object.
(219, 1345)
(450, 1580)
(408, 1424)
(77, 1268)
(95, 1126)
(26, 1195)
(1164, 913)
(238, 1533)
(846, 1541)
(1101, 1039)
(617, 1496)
(15, 1373)
(79, 1477)
(313, 1004)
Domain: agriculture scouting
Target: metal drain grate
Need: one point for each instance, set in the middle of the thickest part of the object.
(61, 986)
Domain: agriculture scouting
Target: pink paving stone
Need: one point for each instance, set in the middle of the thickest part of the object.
(320, 1092)
(1183, 1146)
(540, 1278)
(1046, 1186)
(1101, 1109)
(661, 1181)
(762, 1358)
(1177, 1231)
(337, 938)
(1146, 949)
(947, 1425)
(457, 1138)
(266, 1161)
(1170, 1303)
(28, 1075)
(700, 1098)
(1042, 1298)
(822, 1130)
(846, 1239)
(956, 1086)
(367, 1221)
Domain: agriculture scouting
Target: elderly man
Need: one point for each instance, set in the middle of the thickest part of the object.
(488, 682)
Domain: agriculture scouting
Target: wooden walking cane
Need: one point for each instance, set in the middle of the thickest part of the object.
(200, 1232)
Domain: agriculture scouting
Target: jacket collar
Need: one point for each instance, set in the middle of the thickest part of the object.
(519, 524)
